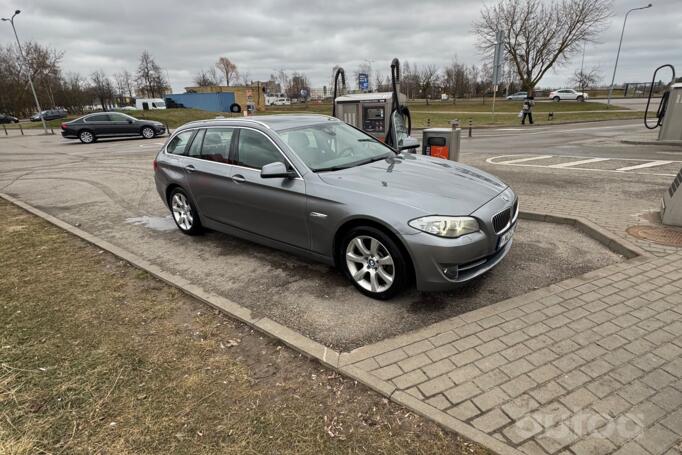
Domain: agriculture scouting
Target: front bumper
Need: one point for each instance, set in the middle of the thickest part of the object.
(443, 264)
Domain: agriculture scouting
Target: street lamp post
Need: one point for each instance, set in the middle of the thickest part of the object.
(28, 70)
(613, 78)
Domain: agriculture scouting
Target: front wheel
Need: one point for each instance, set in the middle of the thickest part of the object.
(148, 132)
(372, 261)
(184, 213)
(581, 99)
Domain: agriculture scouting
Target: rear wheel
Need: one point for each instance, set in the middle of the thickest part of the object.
(184, 213)
(87, 137)
(148, 132)
(556, 99)
(373, 262)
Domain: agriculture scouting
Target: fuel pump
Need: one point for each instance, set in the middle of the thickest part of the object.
(383, 115)
(663, 105)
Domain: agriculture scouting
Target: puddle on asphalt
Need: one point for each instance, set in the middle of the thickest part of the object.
(157, 223)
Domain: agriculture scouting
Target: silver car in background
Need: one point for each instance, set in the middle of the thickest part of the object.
(315, 186)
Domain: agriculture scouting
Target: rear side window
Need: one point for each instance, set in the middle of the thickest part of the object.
(98, 118)
(217, 142)
(256, 150)
(178, 144)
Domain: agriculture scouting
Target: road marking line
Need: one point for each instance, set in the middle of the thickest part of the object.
(521, 160)
(576, 163)
(645, 165)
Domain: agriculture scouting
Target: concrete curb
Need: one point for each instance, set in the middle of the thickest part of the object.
(611, 241)
(652, 142)
(342, 362)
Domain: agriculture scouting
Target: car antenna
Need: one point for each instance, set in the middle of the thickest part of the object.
(342, 73)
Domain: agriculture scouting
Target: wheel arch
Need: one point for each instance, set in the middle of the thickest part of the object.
(370, 222)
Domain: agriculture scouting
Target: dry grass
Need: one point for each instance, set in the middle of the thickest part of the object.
(99, 357)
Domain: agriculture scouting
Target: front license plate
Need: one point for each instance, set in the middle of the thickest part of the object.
(506, 237)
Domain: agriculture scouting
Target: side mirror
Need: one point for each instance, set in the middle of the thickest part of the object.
(408, 143)
(130, 122)
(276, 170)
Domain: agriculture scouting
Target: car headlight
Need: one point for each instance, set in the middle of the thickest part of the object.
(446, 226)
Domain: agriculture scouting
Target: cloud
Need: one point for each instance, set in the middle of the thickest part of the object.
(262, 36)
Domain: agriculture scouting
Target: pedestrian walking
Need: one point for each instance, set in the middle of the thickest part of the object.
(527, 110)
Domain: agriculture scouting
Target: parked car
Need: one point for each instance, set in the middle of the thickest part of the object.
(315, 186)
(282, 102)
(518, 96)
(50, 114)
(91, 127)
(567, 94)
(5, 118)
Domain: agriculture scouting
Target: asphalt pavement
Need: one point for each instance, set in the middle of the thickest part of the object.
(107, 189)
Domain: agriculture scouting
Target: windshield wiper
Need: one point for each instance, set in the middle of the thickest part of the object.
(349, 165)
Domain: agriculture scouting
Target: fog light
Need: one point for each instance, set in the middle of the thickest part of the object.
(450, 271)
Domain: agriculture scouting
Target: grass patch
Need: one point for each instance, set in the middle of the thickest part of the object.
(439, 113)
(99, 357)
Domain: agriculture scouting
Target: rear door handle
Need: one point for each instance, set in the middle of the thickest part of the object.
(238, 178)
(190, 168)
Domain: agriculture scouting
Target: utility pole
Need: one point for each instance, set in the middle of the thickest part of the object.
(619, 45)
(28, 70)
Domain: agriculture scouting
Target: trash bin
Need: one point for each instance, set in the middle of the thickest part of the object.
(442, 142)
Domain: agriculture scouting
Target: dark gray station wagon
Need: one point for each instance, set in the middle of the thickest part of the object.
(315, 186)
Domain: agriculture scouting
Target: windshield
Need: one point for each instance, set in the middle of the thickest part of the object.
(333, 146)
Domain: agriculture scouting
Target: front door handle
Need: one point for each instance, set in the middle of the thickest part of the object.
(238, 178)
(190, 168)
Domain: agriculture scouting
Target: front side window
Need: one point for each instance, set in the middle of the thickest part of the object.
(178, 144)
(336, 146)
(256, 150)
(119, 118)
(216, 145)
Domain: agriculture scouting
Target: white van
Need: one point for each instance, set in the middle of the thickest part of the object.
(282, 102)
(146, 104)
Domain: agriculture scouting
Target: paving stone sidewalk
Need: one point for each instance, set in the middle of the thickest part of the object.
(591, 365)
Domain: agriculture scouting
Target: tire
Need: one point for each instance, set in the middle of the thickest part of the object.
(184, 213)
(580, 99)
(148, 132)
(369, 249)
(87, 136)
(235, 108)
(556, 99)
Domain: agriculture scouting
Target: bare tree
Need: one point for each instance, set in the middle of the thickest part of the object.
(203, 79)
(229, 69)
(103, 89)
(150, 79)
(124, 83)
(585, 78)
(245, 77)
(427, 79)
(540, 33)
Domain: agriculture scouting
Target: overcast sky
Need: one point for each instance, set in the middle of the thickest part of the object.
(264, 36)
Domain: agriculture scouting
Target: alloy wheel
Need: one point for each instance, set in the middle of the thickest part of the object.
(86, 136)
(147, 133)
(370, 264)
(182, 211)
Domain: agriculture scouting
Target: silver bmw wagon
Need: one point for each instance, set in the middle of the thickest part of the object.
(316, 186)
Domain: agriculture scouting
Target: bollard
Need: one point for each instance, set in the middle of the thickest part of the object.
(5, 128)
(52, 131)
(550, 116)
(469, 127)
(455, 137)
(21, 129)
(428, 123)
(168, 131)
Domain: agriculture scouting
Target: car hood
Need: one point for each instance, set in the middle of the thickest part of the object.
(433, 185)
